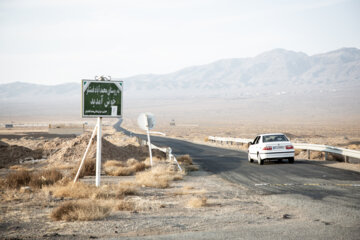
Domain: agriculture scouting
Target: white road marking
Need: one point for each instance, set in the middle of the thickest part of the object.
(308, 184)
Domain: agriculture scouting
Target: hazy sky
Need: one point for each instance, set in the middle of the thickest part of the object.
(57, 41)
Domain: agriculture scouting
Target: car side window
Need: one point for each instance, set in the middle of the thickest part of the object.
(257, 140)
(254, 142)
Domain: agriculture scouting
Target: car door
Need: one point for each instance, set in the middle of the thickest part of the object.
(258, 145)
(253, 147)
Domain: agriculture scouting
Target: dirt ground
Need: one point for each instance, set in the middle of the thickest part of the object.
(198, 202)
(162, 211)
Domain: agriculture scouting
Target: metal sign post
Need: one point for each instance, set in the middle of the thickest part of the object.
(98, 152)
(146, 121)
(149, 143)
(101, 97)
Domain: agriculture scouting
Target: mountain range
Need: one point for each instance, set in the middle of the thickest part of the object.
(278, 69)
(272, 73)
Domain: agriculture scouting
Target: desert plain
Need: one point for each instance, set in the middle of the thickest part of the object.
(39, 200)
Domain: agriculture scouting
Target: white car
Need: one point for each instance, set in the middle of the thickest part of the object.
(273, 146)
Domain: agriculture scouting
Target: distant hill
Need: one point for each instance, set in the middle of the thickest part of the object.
(18, 90)
(276, 69)
(336, 75)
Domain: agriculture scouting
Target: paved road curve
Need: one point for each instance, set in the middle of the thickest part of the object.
(302, 177)
(312, 192)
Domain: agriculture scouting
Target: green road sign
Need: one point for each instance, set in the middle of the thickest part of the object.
(101, 98)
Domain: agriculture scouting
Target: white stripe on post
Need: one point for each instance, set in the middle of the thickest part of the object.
(98, 153)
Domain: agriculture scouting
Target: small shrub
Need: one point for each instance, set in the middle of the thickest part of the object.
(197, 202)
(190, 168)
(113, 163)
(117, 168)
(88, 169)
(125, 205)
(185, 159)
(119, 171)
(115, 192)
(81, 190)
(105, 192)
(126, 188)
(157, 177)
(44, 178)
(86, 210)
(17, 167)
(131, 162)
(189, 190)
(139, 166)
(77, 190)
(18, 179)
(187, 163)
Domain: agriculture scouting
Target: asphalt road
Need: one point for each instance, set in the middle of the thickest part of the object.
(316, 192)
(301, 178)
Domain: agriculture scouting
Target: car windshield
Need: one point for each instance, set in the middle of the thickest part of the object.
(275, 138)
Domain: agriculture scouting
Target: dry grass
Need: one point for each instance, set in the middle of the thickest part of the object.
(127, 188)
(64, 166)
(158, 177)
(17, 167)
(88, 169)
(115, 191)
(197, 202)
(186, 163)
(185, 159)
(84, 210)
(18, 179)
(126, 205)
(11, 195)
(45, 178)
(117, 168)
(155, 159)
(119, 171)
(76, 191)
(187, 190)
(190, 168)
(81, 190)
(23, 178)
(315, 155)
(113, 163)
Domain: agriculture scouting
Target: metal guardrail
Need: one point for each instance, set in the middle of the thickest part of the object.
(328, 149)
(304, 146)
(229, 139)
(167, 151)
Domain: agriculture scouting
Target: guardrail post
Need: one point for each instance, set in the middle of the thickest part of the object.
(326, 156)
(308, 154)
(346, 159)
(168, 153)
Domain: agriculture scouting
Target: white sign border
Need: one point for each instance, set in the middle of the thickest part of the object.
(104, 116)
